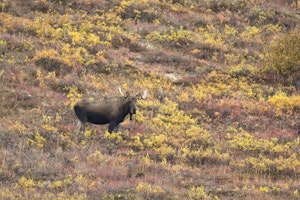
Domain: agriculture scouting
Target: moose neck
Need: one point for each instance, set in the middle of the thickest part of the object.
(125, 108)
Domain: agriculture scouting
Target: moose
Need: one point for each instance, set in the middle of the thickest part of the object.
(110, 110)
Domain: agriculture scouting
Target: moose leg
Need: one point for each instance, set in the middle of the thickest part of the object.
(80, 128)
(112, 126)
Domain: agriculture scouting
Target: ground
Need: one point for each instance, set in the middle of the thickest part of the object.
(221, 119)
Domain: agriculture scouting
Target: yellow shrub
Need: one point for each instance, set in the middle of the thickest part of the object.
(178, 37)
(93, 39)
(95, 158)
(285, 103)
(46, 53)
(77, 38)
(147, 189)
(250, 33)
(263, 189)
(17, 127)
(25, 182)
(296, 193)
(196, 193)
(38, 141)
(229, 31)
(73, 96)
(137, 143)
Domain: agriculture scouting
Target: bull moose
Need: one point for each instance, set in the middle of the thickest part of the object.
(110, 110)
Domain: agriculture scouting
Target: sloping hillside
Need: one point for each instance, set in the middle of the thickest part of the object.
(222, 117)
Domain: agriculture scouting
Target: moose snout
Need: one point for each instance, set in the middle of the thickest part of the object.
(132, 112)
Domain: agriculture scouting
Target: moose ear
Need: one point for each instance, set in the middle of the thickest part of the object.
(127, 94)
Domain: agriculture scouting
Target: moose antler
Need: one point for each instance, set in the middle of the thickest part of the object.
(120, 91)
(122, 94)
(144, 94)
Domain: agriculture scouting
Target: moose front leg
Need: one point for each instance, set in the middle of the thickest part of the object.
(80, 128)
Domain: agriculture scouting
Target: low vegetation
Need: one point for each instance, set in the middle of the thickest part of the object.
(222, 115)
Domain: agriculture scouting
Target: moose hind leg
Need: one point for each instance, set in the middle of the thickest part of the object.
(112, 126)
(80, 128)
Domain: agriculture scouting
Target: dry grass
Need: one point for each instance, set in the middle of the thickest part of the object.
(215, 124)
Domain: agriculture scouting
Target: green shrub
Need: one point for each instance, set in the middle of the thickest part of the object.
(282, 57)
